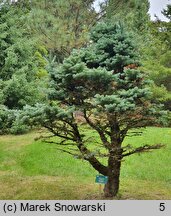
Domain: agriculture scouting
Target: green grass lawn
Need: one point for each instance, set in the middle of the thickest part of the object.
(34, 170)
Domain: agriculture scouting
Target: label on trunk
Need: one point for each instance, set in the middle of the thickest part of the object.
(100, 179)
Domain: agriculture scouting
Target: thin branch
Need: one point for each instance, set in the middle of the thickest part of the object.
(65, 151)
(59, 135)
(59, 143)
(43, 137)
(145, 148)
(99, 16)
(76, 24)
(100, 132)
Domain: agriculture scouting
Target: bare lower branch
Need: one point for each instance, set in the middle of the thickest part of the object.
(59, 143)
(58, 134)
(43, 137)
(65, 151)
(145, 148)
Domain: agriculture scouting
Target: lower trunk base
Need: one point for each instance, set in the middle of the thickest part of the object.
(111, 189)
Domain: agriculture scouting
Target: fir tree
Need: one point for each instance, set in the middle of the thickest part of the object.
(102, 82)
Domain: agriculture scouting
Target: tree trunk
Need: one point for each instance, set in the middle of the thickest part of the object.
(112, 187)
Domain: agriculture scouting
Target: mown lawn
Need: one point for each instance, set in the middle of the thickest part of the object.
(34, 170)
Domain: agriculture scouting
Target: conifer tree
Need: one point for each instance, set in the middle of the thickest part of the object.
(62, 25)
(103, 82)
(157, 58)
(134, 13)
(18, 65)
(20, 82)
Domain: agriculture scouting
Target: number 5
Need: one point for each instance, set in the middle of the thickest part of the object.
(162, 206)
